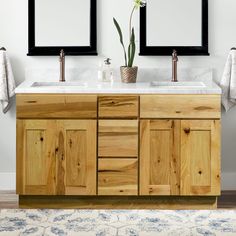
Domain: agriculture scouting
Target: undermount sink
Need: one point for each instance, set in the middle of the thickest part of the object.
(185, 84)
(59, 84)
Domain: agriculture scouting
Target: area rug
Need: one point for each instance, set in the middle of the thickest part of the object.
(117, 223)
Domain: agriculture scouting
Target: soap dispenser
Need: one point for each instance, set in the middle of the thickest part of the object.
(107, 73)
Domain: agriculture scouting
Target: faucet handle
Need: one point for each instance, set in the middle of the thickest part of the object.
(175, 55)
(62, 53)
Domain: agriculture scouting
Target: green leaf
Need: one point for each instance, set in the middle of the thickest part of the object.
(121, 38)
(129, 54)
(132, 49)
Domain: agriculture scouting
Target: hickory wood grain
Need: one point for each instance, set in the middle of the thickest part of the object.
(180, 106)
(80, 157)
(118, 106)
(117, 176)
(38, 106)
(200, 157)
(57, 157)
(36, 157)
(118, 138)
(177, 157)
(159, 157)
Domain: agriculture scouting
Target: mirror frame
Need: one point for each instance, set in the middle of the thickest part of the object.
(167, 50)
(34, 50)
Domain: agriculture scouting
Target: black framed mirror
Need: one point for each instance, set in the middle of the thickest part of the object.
(169, 24)
(61, 24)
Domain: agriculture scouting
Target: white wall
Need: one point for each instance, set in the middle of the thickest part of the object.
(13, 35)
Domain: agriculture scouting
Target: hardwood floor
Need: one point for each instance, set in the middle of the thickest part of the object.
(9, 200)
(227, 200)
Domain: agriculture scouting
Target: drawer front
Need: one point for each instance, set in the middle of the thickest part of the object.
(117, 176)
(56, 106)
(118, 138)
(180, 106)
(118, 106)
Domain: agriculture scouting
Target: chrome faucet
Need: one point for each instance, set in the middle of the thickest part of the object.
(174, 66)
(62, 66)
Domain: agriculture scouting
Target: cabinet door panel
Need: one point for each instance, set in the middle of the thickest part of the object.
(76, 157)
(159, 157)
(200, 157)
(79, 164)
(36, 157)
(117, 176)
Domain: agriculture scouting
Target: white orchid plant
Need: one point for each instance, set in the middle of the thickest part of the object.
(132, 46)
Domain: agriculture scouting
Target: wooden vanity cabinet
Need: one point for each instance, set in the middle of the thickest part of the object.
(159, 151)
(56, 156)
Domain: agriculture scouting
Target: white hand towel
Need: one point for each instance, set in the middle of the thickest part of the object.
(7, 82)
(228, 82)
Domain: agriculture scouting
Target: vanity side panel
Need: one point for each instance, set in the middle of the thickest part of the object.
(49, 106)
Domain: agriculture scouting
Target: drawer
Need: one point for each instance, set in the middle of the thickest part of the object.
(118, 106)
(118, 138)
(117, 176)
(56, 106)
(180, 106)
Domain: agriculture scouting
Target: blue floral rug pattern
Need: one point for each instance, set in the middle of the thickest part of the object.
(117, 223)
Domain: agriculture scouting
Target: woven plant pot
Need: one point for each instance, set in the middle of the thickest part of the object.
(128, 74)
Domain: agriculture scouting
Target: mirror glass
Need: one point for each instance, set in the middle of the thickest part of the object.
(70, 25)
(62, 22)
(174, 22)
(167, 25)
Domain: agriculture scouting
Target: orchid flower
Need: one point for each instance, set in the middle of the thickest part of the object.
(139, 3)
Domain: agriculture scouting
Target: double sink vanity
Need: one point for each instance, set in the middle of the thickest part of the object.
(93, 145)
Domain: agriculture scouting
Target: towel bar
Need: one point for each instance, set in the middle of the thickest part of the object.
(233, 48)
(4, 49)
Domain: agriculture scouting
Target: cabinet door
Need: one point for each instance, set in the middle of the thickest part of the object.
(36, 157)
(159, 157)
(76, 160)
(200, 157)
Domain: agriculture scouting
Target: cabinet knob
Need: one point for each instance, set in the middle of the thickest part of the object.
(187, 130)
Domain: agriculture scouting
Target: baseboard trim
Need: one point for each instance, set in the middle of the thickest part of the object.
(228, 181)
(7, 181)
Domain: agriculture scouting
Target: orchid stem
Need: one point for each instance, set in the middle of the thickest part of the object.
(130, 22)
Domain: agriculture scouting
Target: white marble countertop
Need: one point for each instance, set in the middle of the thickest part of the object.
(143, 86)
(117, 88)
